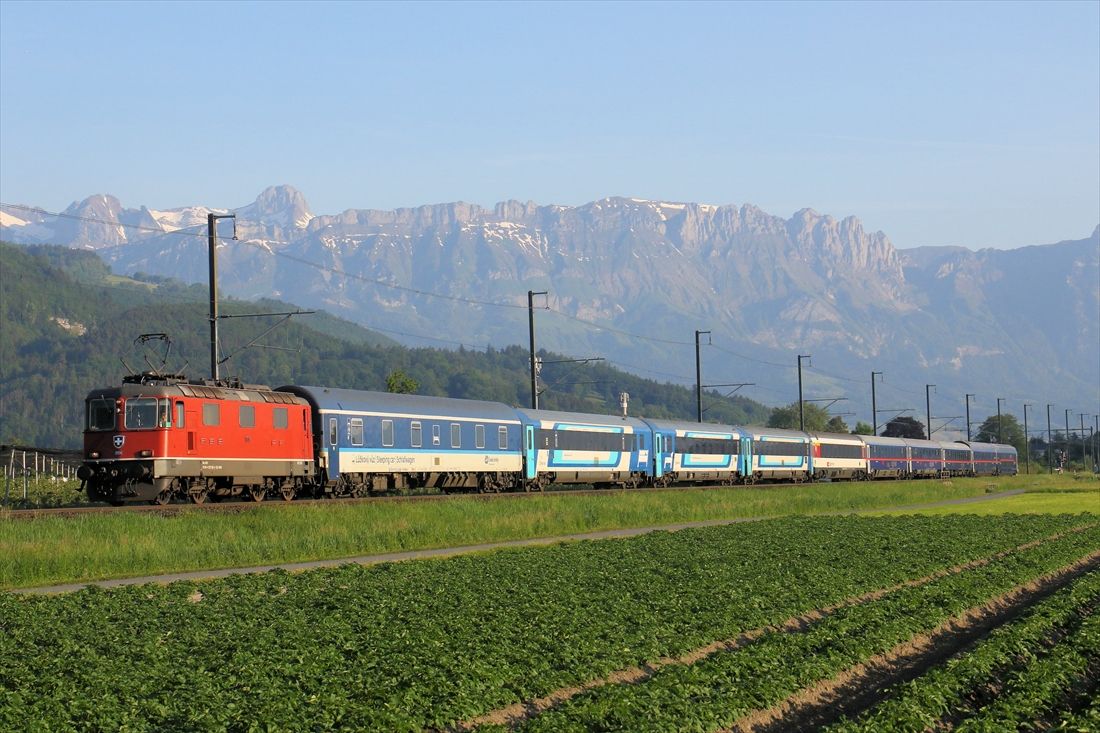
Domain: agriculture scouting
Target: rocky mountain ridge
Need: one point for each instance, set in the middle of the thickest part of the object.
(766, 287)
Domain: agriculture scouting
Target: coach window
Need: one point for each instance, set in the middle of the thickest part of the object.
(435, 435)
(332, 431)
(279, 418)
(456, 435)
(179, 414)
(479, 436)
(502, 438)
(211, 414)
(355, 430)
(246, 416)
(415, 439)
(387, 433)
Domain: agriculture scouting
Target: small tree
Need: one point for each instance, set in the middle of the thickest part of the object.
(817, 419)
(862, 428)
(904, 427)
(1009, 429)
(400, 383)
(836, 424)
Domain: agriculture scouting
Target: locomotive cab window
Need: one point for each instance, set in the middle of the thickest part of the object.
(246, 416)
(101, 414)
(415, 435)
(142, 412)
(387, 433)
(279, 418)
(179, 414)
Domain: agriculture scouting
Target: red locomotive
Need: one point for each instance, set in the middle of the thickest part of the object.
(159, 437)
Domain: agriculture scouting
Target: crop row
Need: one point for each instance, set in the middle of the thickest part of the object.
(921, 703)
(726, 686)
(421, 644)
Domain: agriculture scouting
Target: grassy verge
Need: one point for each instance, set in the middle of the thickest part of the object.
(62, 550)
(1070, 501)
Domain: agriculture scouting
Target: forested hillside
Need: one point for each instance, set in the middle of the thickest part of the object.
(68, 322)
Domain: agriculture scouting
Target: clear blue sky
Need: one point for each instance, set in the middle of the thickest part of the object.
(953, 123)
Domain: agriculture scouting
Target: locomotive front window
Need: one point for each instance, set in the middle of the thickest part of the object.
(141, 413)
(101, 415)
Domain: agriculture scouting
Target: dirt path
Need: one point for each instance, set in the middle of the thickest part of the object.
(451, 551)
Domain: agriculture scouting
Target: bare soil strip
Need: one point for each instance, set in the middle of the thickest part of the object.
(515, 714)
(859, 687)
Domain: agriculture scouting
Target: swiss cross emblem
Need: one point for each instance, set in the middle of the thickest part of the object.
(119, 440)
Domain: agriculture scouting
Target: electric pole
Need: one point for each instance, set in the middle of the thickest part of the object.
(1050, 457)
(531, 332)
(1027, 441)
(928, 407)
(801, 413)
(1000, 431)
(698, 379)
(1067, 435)
(212, 243)
(874, 405)
(968, 396)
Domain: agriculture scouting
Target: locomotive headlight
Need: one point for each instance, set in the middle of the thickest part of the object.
(145, 454)
(93, 454)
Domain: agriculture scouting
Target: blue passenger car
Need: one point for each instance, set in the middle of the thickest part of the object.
(698, 452)
(925, 458)
(577, 448)
(778, 454)
(992, 459)
(886, 457)
(377, 441)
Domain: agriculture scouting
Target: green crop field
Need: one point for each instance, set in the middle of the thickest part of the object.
(1051, 643)
(69, 549)
(434, 644)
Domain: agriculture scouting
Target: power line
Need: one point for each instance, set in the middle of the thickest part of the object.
(749, 358)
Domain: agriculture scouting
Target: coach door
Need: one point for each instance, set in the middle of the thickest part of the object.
(530, 461)
(658, 454)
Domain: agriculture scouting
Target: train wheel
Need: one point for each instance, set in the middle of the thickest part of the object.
(198, 496)
(162, 498)
(287, 491)
(256, 492)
